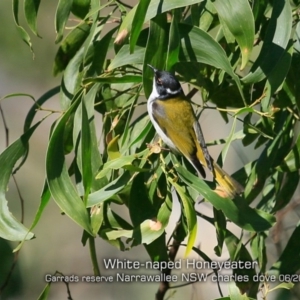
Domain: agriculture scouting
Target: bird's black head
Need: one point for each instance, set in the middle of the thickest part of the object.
(166, 84)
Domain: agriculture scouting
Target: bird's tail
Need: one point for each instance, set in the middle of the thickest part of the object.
(229, 187)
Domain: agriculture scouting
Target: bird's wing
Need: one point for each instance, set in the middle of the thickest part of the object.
(201, 141)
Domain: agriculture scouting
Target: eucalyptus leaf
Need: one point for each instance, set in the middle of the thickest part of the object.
(31, 8)
(62, 14)
(59, 182)
(10, 228)
(111, 189)
(238, 17)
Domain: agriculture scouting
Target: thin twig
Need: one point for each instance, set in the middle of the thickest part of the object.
(21, 199)
(192, 93)
(165, 285)
(5, 127)
(66, 283)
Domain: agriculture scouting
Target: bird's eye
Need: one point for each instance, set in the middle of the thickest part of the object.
(158, 81)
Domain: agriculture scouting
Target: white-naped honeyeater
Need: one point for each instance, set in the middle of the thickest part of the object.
(174, 119)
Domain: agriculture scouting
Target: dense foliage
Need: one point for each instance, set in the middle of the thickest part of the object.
(241, 56)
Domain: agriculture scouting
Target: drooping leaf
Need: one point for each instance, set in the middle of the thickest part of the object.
(31, 8)
(220, 225)
(59, 182)
(69, 47)
(174, 41)
(109, 190)
(291, 162)
(123, 57)
(10, 228)
(61, 16)
(190, 214)
(275, 42)
(158, 40)
(80, 8)
(71, 80)
(45, 292)
(22, 32)
(238, 252)
(212, 54)
(238, 17)
(45, 197)
(155, 8)
(138, 21)
(286, 264)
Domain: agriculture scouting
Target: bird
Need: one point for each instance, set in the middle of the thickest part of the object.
(173, 118)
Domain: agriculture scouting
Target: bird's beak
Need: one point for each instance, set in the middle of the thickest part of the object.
(154, 70)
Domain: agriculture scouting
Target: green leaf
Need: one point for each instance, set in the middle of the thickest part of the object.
(192, 50)
(80, 8)
(93, 20)
(86, 152)
(148, 231)
(31, 114)
(22, 32)
(124, 58)
(59, 182)
(165, 210)
(190, 214)
(45, 197)
(138, 21)
(71, 80)
(140, 206)
(155, 8)
(212, 54)
(174, 40)
(158, 40)
(225, 149)
(238, 252)
(114, 79)
(283, 285)
(287, 264)
(111, 189)
(39, 102)
(276, 40)
(139, 133)
(10, 228)
(113, 151)
(234, 292)
(238, 17)
(291, 162)
(31, 8)
(116, 164)
(287, 190)
(220, 225)
(143, 214)
(277, 77)
(237, 211)
(45, 292)
(97, 218)
(61, 17)
(94, 159)
(100, 51)
(258, 248)
(69, 47)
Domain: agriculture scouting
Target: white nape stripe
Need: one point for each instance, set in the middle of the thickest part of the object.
(173, 92)
(154, 95)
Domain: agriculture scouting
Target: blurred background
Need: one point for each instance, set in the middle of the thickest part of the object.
(57, 246)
